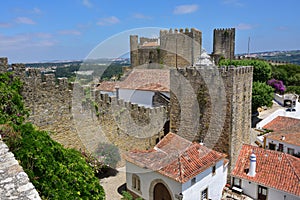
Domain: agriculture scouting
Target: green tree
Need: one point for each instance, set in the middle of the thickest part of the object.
(262, 70)
(262, 95)
(11, 104)
(56, 172)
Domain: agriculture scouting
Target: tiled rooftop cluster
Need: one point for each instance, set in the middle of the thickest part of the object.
(284, 127)
(141, 79)
(14, 182)
(176, 157)
(273, 169)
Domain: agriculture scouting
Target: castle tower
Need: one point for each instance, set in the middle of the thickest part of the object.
(176, 48)
(224, 43)
(215, 109)
(134, 50)
(180, 48)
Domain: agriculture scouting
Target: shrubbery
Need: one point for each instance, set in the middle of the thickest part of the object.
(56, 172)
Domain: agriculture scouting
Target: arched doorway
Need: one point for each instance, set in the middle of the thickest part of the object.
(161, 192)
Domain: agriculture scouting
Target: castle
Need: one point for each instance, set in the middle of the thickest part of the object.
(207, 104)
(180, 48)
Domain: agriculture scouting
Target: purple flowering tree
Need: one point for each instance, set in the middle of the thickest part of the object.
(277, 85)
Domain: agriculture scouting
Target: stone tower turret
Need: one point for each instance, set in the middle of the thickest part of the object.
(224, 43)
(134, 50)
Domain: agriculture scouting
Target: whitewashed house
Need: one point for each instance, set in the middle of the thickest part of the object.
(266, 175)
(107, 87)
(285, 135)
(176, 169)
(141, 85)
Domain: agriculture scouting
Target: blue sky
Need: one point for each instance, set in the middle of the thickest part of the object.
(35, 30)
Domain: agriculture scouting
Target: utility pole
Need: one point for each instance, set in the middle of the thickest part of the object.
(248, 46)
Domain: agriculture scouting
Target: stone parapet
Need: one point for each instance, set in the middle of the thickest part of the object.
(14, 182)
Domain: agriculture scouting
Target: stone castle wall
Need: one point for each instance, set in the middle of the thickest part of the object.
(224, 43)
(214, 109)
(14, 182)
(176, 49)
(79, 122)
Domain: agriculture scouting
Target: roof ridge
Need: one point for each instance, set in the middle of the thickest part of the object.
(292, 166)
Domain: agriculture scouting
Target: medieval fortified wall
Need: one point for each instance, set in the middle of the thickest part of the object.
(222, 123)
(220, 116)
(79, 122)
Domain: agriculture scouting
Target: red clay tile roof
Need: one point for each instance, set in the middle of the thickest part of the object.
(147, 79)
(108, 86)
(289, 138)
(284, 126)
(273, 169)
(283, 123)
(176, 158)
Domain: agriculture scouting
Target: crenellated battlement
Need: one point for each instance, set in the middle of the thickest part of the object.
(225, 29)
(105, 101)
(179, 30)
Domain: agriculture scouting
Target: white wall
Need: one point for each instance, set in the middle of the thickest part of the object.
(251, 188)
(285, 145)
(215, 184)
(279, 195)
(140, 97)
(111, 94)
(146, 178)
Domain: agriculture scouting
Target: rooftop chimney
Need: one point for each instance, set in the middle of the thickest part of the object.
(252, 167)
(283, 137)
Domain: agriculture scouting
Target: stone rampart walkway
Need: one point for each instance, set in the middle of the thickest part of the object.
(14, 182)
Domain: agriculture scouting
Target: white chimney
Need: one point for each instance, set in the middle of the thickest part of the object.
(252, 167)
(283, 137)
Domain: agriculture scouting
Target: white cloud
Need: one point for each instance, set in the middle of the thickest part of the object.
(43, 35)
(233, 2)
(24, 41)
(69, 32)
(108, 21)
(24, 20)
(36, 11)
(5, 25)
(87, 3)
(185, 9)
(243, 26)
(141, 16)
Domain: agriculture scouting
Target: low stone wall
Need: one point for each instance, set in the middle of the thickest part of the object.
(14, 182)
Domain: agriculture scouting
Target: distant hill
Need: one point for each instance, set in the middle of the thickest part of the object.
(283, 56)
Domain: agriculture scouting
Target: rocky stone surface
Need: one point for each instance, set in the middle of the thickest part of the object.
(14, 182)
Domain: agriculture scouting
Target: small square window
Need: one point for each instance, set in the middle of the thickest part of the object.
(193, 181)
(213, 170)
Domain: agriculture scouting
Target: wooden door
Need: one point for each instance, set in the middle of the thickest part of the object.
(161, 192)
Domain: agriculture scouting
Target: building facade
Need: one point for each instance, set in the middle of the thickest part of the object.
(271, 175)
(176, 169)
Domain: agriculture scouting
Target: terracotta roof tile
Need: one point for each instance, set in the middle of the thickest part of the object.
(147, 79)
(284, 126)
(108, 86)
(290, 137)
(283, 123)
(273, 169)
(176, 158)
